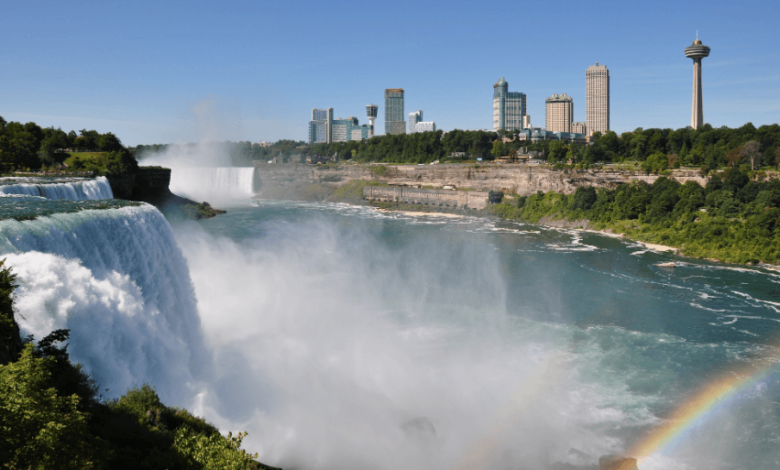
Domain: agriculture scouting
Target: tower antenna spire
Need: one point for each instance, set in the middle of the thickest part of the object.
(697, 51)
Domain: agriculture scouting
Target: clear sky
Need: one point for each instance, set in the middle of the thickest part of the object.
(165, 71)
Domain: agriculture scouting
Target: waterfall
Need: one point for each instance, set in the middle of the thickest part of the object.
(118, 280)
(77, 190)
(213, 183)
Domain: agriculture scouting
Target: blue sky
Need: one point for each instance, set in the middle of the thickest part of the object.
(159, 72)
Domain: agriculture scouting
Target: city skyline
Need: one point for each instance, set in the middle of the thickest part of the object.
(176, 72)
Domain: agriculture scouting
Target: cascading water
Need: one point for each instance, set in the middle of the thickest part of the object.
(117, 279)
(349, 338)
(213, 183)
(71, 189)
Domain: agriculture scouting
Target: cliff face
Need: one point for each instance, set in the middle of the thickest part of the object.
(122, 185)
(146, 185)
(151, 185)
(273, 179)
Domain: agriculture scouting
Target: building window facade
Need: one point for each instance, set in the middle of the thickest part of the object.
(597, 99)
(394, 111)
(559, 113)
(509, 107)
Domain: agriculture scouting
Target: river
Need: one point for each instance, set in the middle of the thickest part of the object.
(343, 337)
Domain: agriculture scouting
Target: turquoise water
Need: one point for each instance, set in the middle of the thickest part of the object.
(342, 337)
(639, 337)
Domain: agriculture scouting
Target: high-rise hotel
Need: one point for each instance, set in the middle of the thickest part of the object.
(508, 107)
(558, 113)
(394, 111)
(597, 99)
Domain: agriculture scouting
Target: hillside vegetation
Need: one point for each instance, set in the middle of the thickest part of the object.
(31, 147)
(733, 219)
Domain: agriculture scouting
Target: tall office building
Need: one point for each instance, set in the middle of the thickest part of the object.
(697, 51)
(323, 129)
(414, 118)
(320, 130)
(508, 107)
(416, 123)
(394, 111)
(558, 113)
(597, 99)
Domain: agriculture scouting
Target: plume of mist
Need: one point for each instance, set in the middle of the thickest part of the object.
(336, 352)
(202, 170)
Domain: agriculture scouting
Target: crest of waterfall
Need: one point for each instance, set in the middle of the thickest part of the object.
(118, 280)
(76, 190)
(213, 183)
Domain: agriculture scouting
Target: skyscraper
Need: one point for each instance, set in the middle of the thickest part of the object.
(394, 111)
(508, 107)
(558, 113)
(597, 99)
(320, 130)
(697, 51)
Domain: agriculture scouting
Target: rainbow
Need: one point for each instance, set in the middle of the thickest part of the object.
(701, 406)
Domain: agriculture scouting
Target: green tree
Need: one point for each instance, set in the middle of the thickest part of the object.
(213, 452)
(39, 429)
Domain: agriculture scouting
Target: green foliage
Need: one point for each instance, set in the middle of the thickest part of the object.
(733, 219)
(38, 428)
(24, 146)
(655, 163)
(212, 452)
(114, 162)
(10, 341)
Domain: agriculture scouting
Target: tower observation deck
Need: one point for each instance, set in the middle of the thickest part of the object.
(371, 112)
(697, 51)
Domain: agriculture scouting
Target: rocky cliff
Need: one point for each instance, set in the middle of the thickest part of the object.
(151, 184)
(276, 181)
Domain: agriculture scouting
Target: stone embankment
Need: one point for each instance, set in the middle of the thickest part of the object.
(428, 197)
(280, 180)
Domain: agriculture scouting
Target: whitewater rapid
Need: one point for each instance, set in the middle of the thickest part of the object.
(117, 279)
(78, 190)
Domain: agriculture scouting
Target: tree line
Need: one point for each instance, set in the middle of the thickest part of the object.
(29, 146)
(705, 147)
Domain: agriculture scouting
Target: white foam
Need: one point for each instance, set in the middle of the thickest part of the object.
(80, 190)
(118, 280)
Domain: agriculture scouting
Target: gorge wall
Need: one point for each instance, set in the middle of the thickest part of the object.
(284, 180)
(146, 185)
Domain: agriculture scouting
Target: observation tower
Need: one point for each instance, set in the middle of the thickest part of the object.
(697, 51)
(371, 111)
